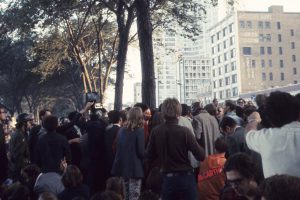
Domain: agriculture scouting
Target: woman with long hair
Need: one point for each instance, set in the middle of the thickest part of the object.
(128, 163)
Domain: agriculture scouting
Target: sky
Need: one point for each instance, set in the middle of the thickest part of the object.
(134, 56)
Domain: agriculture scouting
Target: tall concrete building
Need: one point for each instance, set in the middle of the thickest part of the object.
(253, 51)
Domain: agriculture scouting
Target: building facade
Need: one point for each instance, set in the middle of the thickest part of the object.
(253, 51)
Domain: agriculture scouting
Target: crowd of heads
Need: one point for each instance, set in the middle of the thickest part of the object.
(276, 110)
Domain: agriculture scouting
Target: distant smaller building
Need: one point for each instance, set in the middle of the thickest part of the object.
(137, 93)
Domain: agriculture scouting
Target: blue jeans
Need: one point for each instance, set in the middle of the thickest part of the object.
(182, 187)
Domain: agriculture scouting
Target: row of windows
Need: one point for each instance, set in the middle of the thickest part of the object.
(225, 44)
(226, 93)
(194, 75)
(194, 68)
(247, 51)
(264, 75)
(270, 63)
(260, 25)
(195, 62)
(226, 69)
(224, 32)
(224, 82)
(225, 57)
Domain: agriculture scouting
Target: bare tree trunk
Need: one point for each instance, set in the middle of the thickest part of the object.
(122, 50)
(144, 27)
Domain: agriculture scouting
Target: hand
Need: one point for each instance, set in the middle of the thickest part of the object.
(255, 116)
(87, 107)
(63, 164)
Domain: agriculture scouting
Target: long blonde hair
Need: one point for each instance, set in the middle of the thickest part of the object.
(135, 118)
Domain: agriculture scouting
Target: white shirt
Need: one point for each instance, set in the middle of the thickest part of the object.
(279, 149)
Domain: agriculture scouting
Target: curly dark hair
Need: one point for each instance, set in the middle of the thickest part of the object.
(72, 177)
(241, 163)
(280, 187)
(281, 108)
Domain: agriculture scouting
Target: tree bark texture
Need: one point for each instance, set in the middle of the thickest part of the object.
(144, 27)
(123, 29)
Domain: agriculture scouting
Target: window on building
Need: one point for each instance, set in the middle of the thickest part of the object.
(253, 63)
(225, 44)
(260, 25)
(225, 56)
(233, 66)
(267, 25)
(221, 94)
(249, 24)
(263, 76)
(269, 50)
(295, 82)
(271, 76)
(234, 78)
(226, 68)
(232, 40)
(279, 38)
(220, 71)
(212, 39)
(261, 37)
(293, 45)
(215, 84)
(214, 73)
(219, 59)
(246, 50)
(270, 63)
(278, 25)
(292, 32)
(268, 37)
(213, 50)
(219, 47)
(224, 31)
(280, 51)
(294, 58)
(242, 24)
(234, 92)
(263, 64)
(218, 35)
(281, 64)
(227, 81)
(221, 83)
(228, 93)
(213, 62)
(294, 70)
(230, 28)
(262, 50)
(232, 53)
(282, 76)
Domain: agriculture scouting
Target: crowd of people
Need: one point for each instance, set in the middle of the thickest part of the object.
(232, 150)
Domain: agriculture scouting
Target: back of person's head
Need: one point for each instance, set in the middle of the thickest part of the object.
(22, 120)
(47, 196)
(260, 100)
(186, 110)
(248, 110)
(241, 163)
(143, 106)
(240, 111)
(114, 116)
(211, 109)
(227, 121)
(72, 115)
(230, 104)
(281, 108)
(280, 187)
(123, 114)
(50, 123)
(44, 112)
(196, 107)
(171, 108)
(72, 177)
(154, 180)
(135, 118)
(114, 184)
(17, 191)
(221, 145)
(149, 195)
(106, 195)
(30, 173)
